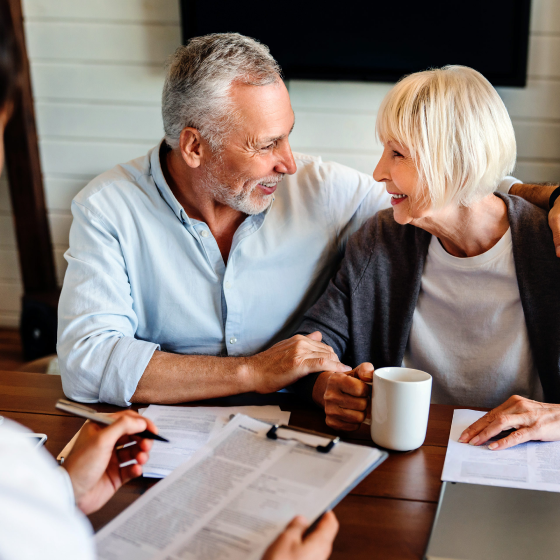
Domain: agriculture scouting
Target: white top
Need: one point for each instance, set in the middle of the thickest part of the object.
(38, 518)
(468, 329)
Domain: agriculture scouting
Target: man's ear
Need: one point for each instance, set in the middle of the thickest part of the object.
(191, 146)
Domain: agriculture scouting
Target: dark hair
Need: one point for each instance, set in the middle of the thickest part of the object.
(10, 59)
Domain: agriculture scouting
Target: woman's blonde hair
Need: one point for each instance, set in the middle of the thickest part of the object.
(457, 129)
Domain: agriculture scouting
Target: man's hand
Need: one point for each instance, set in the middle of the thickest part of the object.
(290, 360)
(93, 463)
(539, 195)
(344, 396)
(554, 223)
(293, 545)
(531, 420)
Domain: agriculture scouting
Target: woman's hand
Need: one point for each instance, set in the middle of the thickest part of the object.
(344, 396)
(531, 420)
(93, 463)
(293, 544)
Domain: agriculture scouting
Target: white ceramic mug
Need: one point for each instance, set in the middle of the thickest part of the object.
(400, 406)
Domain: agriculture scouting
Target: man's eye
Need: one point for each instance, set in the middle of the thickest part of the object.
(270, 146)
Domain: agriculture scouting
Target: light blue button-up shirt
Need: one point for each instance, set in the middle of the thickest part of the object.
(143, 276)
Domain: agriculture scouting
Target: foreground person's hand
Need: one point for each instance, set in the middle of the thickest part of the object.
(290, 360)
(531, 420)
(344, 396)
(93, 463)
(293, 545)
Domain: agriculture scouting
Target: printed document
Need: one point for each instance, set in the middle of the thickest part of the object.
(189, 428)
(534, 465)
(234, 496)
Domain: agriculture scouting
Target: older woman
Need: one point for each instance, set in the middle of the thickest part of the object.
(454, 280)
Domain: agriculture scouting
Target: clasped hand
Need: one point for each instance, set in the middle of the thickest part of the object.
(344, 396)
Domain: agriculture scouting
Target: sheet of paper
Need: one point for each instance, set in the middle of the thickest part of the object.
(534, 465)
(189, 428)
(233, 497)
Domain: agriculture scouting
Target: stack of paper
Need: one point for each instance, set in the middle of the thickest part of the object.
(534, 465)
(189, 428)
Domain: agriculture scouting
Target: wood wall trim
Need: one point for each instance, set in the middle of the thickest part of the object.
(25, 178)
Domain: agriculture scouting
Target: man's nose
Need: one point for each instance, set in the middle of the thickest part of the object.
(286, 163)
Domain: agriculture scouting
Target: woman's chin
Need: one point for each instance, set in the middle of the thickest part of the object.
(401, 217)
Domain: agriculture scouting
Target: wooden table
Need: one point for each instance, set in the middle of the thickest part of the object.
(388, 515)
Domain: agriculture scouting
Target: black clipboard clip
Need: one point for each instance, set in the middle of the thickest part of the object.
(272, 434)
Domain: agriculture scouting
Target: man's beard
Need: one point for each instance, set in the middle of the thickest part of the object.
(244, 201)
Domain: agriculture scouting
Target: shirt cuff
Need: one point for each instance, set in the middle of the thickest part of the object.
(67, 483)
(123, 371)
(506, 183)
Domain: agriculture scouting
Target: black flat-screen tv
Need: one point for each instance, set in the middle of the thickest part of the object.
(375, 40)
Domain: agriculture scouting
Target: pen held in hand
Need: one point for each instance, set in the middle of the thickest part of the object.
(86, 412)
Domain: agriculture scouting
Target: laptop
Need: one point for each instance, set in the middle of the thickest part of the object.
(475, 522)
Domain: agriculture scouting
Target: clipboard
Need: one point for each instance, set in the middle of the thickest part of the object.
(251, 479)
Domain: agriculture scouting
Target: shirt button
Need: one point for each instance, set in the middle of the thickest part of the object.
(232, 340)
(204, 233)
(227, 285)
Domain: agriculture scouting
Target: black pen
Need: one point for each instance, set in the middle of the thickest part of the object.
(98, 417)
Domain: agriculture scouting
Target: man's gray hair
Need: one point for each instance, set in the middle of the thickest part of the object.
(199, 78)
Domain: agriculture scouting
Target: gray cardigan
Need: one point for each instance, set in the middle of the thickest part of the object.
(366, 312)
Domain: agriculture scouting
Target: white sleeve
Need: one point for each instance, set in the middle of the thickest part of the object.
(506, 183)
(354, 197)
(38, 518)
(99, 357)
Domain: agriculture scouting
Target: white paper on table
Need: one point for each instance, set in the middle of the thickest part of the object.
(534, 465)
(189, 428)
(234, 497)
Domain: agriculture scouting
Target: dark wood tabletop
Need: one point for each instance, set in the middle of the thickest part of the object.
(388, 515)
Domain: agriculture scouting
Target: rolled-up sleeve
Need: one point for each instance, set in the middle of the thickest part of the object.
(100, 358)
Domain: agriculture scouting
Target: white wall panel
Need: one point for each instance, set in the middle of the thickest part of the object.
(538, 140)
(97, 82)
(59, 192)
(539, 100)
(537, 171)
(545, 16)
(7, 234)
(5, 203)
(147, 11)
(99, 121)
(331, 131)
(87, 158)
(101, 42)
(544, 56)
(9, 265)
(341, 97)
(10, 301)
(60, 228)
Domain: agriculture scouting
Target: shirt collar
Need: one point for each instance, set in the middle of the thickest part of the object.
(167, 194)
(161, 183)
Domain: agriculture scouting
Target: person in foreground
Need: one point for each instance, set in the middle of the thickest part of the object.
(38, 514)
(455, 280)
(42, 506)
(186, 266)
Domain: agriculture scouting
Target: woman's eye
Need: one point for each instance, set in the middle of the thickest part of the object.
(397, 154)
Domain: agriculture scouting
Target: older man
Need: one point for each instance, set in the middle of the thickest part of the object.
(186, 265)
